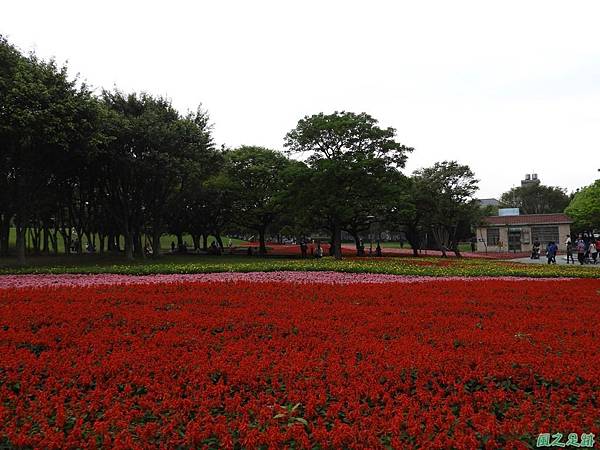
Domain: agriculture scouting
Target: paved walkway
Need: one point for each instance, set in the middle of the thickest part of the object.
(560, 260)
(395, 251)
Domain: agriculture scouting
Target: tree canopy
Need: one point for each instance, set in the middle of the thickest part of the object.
(256, 175)
(536, 198)
(349, 157)
(584, 208)
(123, 168)
(446, 193)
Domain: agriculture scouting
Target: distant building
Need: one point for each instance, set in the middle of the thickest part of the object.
(483, 202)
(530, 179)
(518, 233)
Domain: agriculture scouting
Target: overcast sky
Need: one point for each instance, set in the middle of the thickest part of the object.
(507, 87)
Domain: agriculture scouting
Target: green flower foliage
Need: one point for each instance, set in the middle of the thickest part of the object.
(425, 266)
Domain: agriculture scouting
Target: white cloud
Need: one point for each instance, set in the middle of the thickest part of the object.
(507, 87)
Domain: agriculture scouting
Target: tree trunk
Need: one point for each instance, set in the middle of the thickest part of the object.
(155, 243)
(46, 239)
(454, 247)
(196, 241)
(205, 241)
(35, 235)
(4, 234)
(101, 238)
(54, 241)
(219, 240)
(66, 236)
(337, 242)
(412, 236)
(439, 238)
(357, 243)
(262, 247)
(180, 242)
(138, 249)
(20, 245)
(79, 242)
(88, 236)
(129, 245)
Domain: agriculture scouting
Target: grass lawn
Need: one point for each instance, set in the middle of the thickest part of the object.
(423, 266)
(165, 241)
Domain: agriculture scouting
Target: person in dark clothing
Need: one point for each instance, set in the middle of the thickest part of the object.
(551, 252)
(569, 246)
(303, 249)
(535, 252)
(172, 246)
(319, 252)
(378, 250)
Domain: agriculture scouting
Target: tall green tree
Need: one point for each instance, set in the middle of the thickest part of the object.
(147, 162)
(346, 153)
(256, 174)
(409, 212)
(584, 208)
(12, 64)
(45, 119)
(446, 191)
(536, 199)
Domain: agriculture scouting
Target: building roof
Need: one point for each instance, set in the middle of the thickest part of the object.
(527, 219)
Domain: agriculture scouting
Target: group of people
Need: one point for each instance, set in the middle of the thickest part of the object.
(317, 251)
(586, 248)
(314, 252)
(74, 247)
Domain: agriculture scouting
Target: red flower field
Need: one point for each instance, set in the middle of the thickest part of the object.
(243, 364)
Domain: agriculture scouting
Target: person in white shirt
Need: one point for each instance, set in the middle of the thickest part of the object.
(593, 252)
(569, 246)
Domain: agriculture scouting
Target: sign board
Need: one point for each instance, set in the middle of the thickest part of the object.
(508, 212)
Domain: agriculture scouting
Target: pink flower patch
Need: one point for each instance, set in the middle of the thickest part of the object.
(29, 281)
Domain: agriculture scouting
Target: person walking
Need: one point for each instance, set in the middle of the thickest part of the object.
(569, 246)
(581, 251)
(303, 249)
(319, 253)
(550, 252)
(586, 241)
(593, 251)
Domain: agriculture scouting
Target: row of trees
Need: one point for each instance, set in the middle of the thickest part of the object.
(118, 167)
